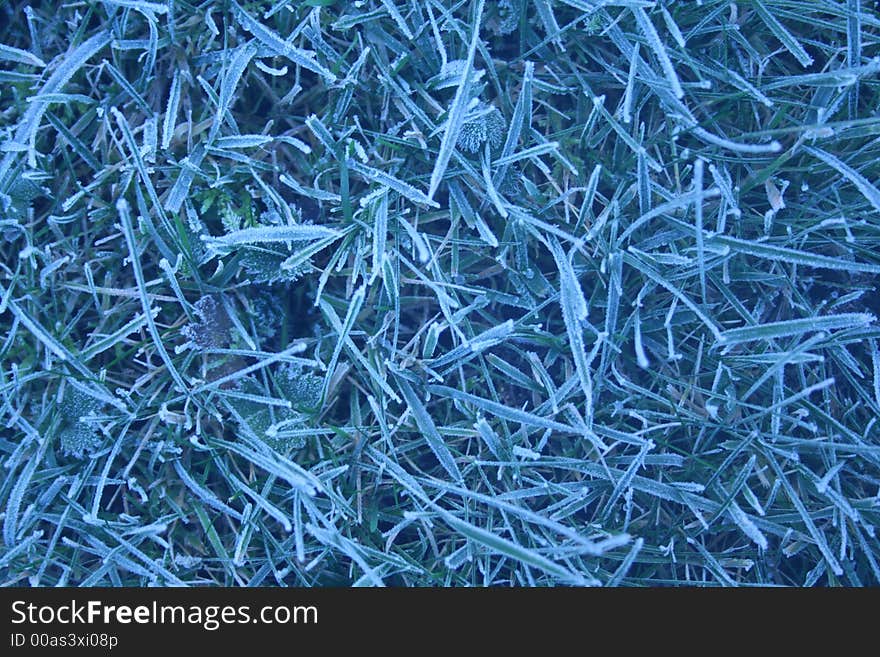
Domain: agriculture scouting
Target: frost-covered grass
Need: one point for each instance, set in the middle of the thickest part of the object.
(422, 292)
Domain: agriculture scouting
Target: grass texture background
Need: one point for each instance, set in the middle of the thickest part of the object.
(422, 292)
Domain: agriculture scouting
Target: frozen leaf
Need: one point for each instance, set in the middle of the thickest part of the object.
(484, 123)
(78, 434)
(213, 326)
